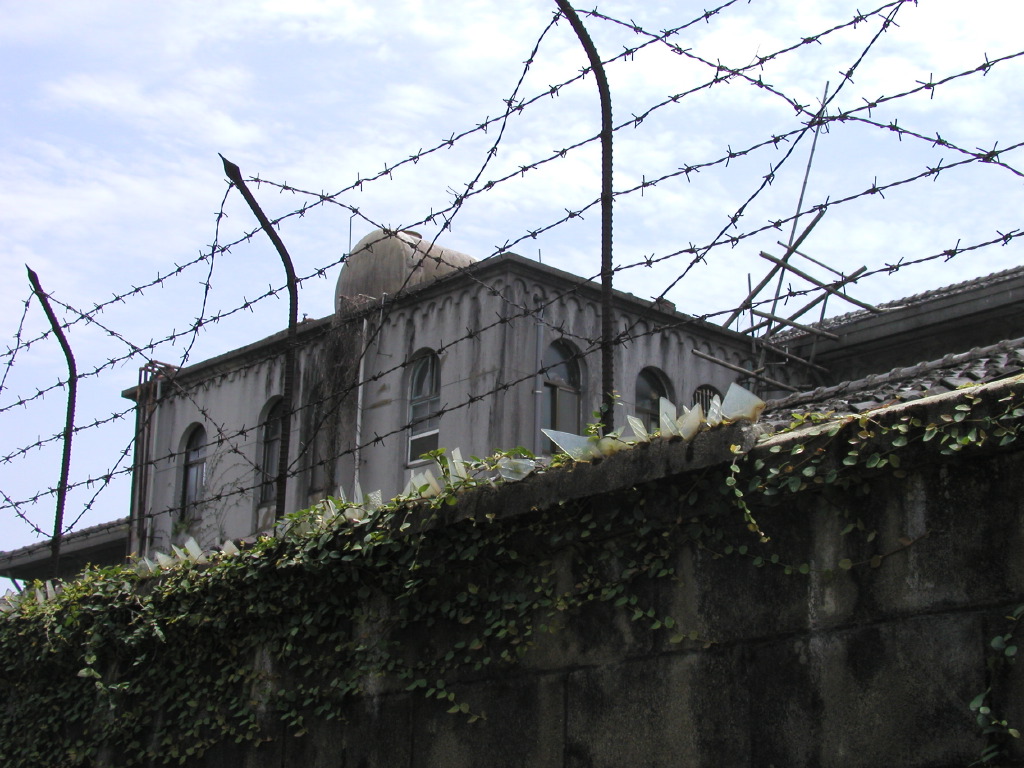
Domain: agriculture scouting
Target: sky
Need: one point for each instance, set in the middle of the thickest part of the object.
(113, 113)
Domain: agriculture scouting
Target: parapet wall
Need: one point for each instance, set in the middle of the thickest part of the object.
(874, 664)
(863, 667)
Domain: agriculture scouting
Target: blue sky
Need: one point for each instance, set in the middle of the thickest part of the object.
(112, 115)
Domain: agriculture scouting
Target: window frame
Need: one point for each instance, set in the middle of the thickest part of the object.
(562, 393)
(649, 411)
(704, 394)
(270, 439)
(193, 472)
(424, 392)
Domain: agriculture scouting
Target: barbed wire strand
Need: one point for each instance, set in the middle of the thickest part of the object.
(388, 170)
(993, 156)
(17, 341)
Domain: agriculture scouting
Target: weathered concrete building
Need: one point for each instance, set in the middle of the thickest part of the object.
(426, 349)
(841, 592)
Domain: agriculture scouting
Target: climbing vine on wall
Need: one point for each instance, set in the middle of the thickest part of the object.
(413, 598)
(998, 731)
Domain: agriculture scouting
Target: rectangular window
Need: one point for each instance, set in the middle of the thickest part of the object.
(560, 404)
(560, 411)
(422, 443)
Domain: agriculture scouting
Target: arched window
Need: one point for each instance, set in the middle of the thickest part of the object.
(270, 452)
(704, 394)
(561, 400)
(193, 482)
(650, 388)
(424, 403)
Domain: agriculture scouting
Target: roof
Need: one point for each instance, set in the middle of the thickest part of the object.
(661, 311)
(103, 544)
(977, 366)
(977, 284)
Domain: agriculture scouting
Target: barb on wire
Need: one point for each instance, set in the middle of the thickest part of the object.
(43, 442)
(15, 506)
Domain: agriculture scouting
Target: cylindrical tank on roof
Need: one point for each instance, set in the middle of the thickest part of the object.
(386, 264)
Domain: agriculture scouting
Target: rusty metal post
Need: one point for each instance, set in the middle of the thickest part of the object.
(235, 175)
(148, 391)
(607, 320)
(140, 465)
(69, 421)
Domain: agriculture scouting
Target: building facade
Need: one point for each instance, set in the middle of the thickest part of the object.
(426, 349)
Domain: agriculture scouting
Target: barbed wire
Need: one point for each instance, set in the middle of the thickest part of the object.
(226, 437)
(207, 287)
(386, 172)
(296, 465)
(15, 506)
(17, 341)
(634, 122)
(321, 198)
(526, 311)
(875, 189)
(79, 428)
(741, 73)
(460, 199)
(766, 181)
(889, 268)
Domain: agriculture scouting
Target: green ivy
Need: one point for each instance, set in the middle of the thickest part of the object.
(160, 668)
(996, 729)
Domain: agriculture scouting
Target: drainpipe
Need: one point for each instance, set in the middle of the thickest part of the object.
(138, 493)
(538, 386)
(145, 522)
(359, 407)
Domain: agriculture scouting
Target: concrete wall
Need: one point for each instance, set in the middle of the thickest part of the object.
(872, 665)
(863, 667)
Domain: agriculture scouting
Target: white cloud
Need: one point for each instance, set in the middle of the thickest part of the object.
(193, 107)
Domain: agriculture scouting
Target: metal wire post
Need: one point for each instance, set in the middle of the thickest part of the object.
(235, 175)
(607, 321)
(69, 422)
